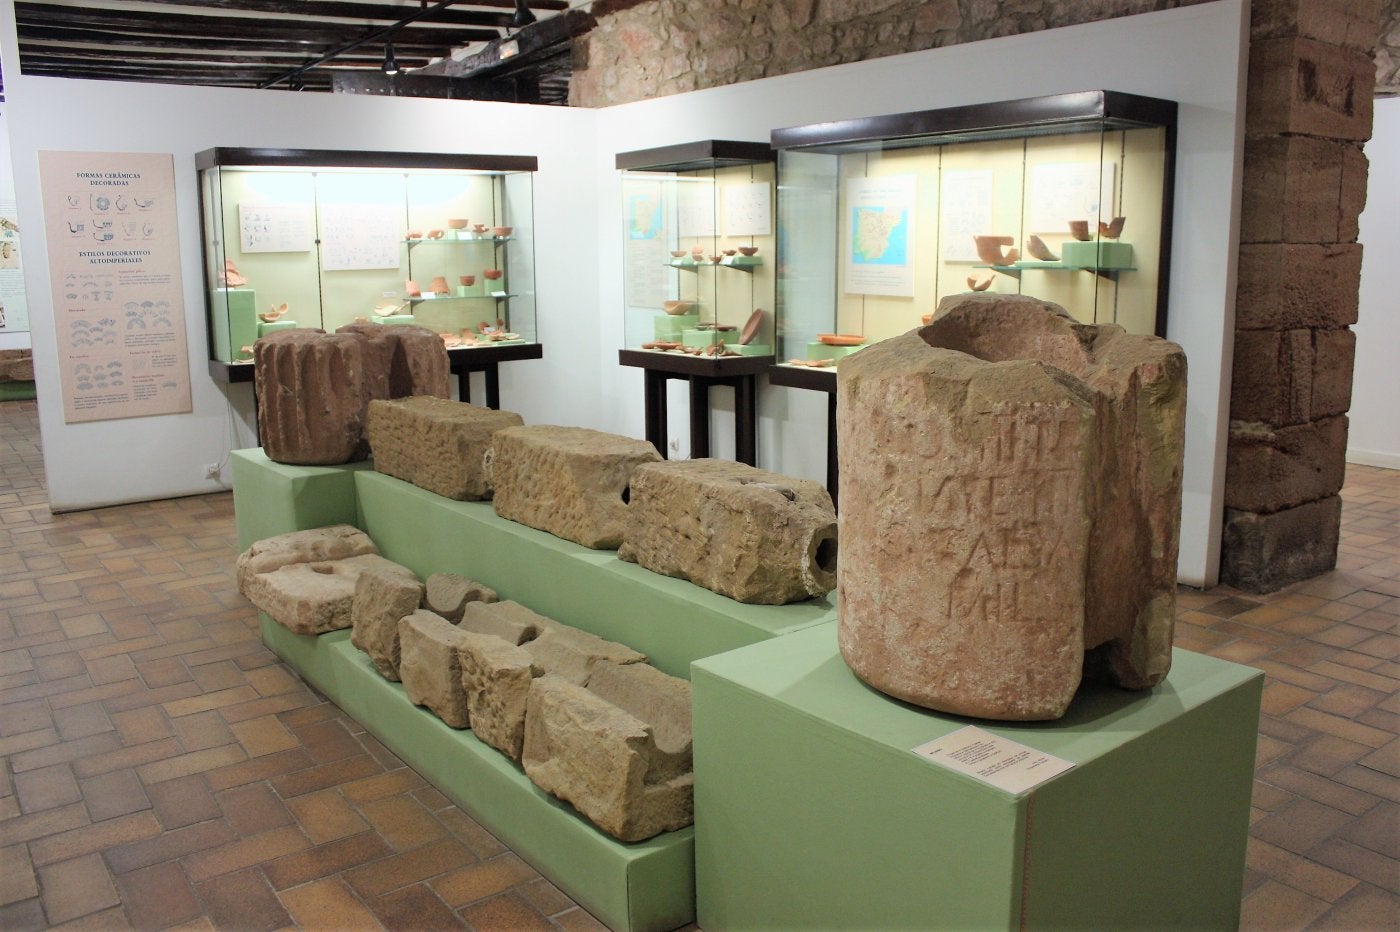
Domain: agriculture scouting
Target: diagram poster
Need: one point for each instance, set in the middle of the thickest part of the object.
(360, 236)
(646, 244)
(880, 212)
(114, 265)
(1065, 191)
(275, 228)
(966, 212)
(748, 209)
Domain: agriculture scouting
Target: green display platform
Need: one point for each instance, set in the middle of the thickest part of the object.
(649, 885)
(273, 498)
(18, 391)
(812, 812)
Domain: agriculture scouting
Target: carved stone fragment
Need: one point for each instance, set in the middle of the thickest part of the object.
(1010, 508)
(313, 598)
(316, 545)
(312, 392)
(496, 677)
(618, 750)
(431, 668)
(381, 600)
(572, 653)
(403, 361)
(434, 443)
(448, 594)
(510, 621)
(569, 481)
(753, 535)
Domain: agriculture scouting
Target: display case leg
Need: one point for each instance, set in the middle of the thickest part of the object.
(493, 385)
(746, 419)
(699, 417)
(833, 470)
(655, 406)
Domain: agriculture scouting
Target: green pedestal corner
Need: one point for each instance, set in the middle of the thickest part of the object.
(811, 810)
(18, 391)
(648, 885)
(1102, 254)
(274, 498)
(235, 322)
(820, 350)
(671, 326)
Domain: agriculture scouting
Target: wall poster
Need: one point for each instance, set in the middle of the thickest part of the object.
(14, 309)
(360, 236)
(647, 241)
(966, 212)
(881, 216)
(118, 299)
(1065, 191)
(748, 209)
(275, 228)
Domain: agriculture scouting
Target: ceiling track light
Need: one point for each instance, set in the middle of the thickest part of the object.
(522, 15)
(391, 64)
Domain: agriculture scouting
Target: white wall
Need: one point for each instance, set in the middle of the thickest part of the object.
(11, 338)
(1374, 437)
(579, 219)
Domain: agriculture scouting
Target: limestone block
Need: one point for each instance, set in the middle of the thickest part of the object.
(628, 776)
(381, 600)
(753, 535)
(1349, 23)
(447, 594)
(1265, 552)
(404, 360)
(509, 621)
(1268, 469)
(1334, 354)
(569, 481)
(496, 677)
(571, 653)
(313, 598)
(316, 545)
(1355, 172)
(16, 365)
(1292, 190)
(1011, 492)
(1304, 86)
(434, 443)
(1285, 286)
(311, 389)
(430, 666)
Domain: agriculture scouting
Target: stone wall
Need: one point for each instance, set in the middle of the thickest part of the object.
(1388, 52)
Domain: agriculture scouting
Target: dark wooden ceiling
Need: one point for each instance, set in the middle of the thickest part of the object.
(279, 43)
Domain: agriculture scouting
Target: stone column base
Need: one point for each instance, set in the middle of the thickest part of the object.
(1261, 553)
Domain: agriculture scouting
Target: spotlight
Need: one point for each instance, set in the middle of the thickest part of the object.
(522, 15)
(391, 65)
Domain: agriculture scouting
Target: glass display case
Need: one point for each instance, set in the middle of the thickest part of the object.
(1066, 198)
(316, 238)
(699, 273)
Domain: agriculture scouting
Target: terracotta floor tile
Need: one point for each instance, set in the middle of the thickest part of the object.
(325, 816)
(253, 809)
(42, 824)
(1365, 908)
(245, 852)
(319, 777)
(23, 916)
(1300, 826)
(158, 896)
(243, 900)
(324, 860)
(327, 904)
(169, 845)
(1328, 754)
(17, 879)
(485, 878)
(507, 911)
(1385, 759)
(113, 794)
(193, 762)
(415, 907)
(400, 870)
(76, 887)
(263, 735)
(1377, 829)
(482, 843)
(382, 785)
(546, 897)
(402, 821)
(81, 721)
(1298, 872)
(1361, 863)
(46, 788)
(579, 920)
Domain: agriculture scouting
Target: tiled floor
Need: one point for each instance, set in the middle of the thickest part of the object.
(162, 768)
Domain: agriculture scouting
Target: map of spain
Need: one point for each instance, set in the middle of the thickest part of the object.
(880, 236)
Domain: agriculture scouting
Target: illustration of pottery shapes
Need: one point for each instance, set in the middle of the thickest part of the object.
(273, 315)
(1037, 248)
(975, 285)
(502, 231)
(677, 308)
(678, 253)
(479, 228)
(1079, 229)
(434, 234)
(410, 288)
(413, 234)
(841, 339)
(989, 249)
(493, 275)
(232, 278)
(438, 285)
(748, 250)
(457, 223)
(1112, 230)
(467, 280)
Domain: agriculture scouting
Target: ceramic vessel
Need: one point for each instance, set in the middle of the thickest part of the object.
(751, 327)
(716, 259)
(1037, 248)
(492, 274)
(677, 308)
(438, 285)
(459, 223)
(989, 250)
(748, 250)
(678, 253)
(502, 231)
(232, 277)
(841, 339)
(479, 228)
(1079, 229)
(413, 234)
(434, 234)
(1112, 230)
(410, 288)
(467, 280)
(976, 285)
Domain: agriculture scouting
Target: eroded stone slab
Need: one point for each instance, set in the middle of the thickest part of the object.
(448, 594)
(1011, 491)
(313, 598)
(430, 666)
(753, 535)
(509, 621)
(571, 653)
(569, 481)
(316, 545)
(312, 392)
(434, 443)
(404, 360)
(496, 677)
(381, 601)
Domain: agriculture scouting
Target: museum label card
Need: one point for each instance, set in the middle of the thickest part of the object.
(1003, 763)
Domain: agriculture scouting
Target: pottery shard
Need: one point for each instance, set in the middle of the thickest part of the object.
(316, 545)
(569, 481)
(313, 598)
(509, 621)
(448, 594)
(436, 444)
(1010, 508)
(496, 677)
(381, 600)
(753, 535)
(618, 750)
(571, 653)
(430, 667)
(311, 389)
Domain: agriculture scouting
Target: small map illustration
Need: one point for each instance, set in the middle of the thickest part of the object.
(880, 236)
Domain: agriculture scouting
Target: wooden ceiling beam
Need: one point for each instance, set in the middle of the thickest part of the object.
(79, 38)
(349, 9)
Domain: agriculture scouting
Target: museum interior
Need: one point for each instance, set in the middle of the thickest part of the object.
(654, 464)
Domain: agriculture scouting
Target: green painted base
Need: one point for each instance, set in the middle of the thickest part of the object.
(670, 327)
(820, 350)
(645, 886)
(750, 349)
(17, 391)
(812, 812)
(394, 320)
(264, 328)
(274, 498)
(1105, 255)
(235, 322)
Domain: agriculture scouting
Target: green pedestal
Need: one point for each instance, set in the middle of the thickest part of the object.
(812, 812)
(820, 350)
(670, 327)
(1105, 255)
(235, 322)
(18, 391)
(264, 327)
(750, 349)
(274, 498)
(394, 320)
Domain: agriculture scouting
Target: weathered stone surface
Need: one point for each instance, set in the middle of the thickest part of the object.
(1011, 486)
(509, 621)
(311, 389)
(1334, 354)
(753, 535)
(434, 443)
(403, 361)
(1293, 190)
(313, 598)
(569, 481)
(1269, 469)
(1265, 552)
(1304, 86)
(571, 653)
(381, 601)
(627, 769)
(1285, 286)
(1271, 379)
(316, 545)
(1349, 23)
(447, 594)
(496, 677)
(430, 666)
(16, 365)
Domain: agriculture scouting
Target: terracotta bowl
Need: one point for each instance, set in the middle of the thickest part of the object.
(493, 274)
(457, 224)
(413, 234)
(716, 259)
(467, 280)
(678, 253)
(841, 339)
(748, 250)
(501, 231)
(479, 228)
(730, 252)
(677, 308)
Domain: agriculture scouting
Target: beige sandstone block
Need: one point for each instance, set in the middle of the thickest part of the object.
(509, 621)
(1011, 486)
(381, 601)
(571, 653)
(569, 481)
(436, 444)
(496, 676)
(16, 365)
(313, 598)
(753, 535)
(430, 666)
(311, 389)
(316, 545)
(448, 594)
(1307, 87)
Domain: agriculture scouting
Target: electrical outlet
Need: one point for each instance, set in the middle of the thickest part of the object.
(211, 470)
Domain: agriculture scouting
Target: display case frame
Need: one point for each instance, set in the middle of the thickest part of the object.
(511, 254)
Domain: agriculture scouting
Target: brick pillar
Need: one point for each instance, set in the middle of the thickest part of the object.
(1308, 111)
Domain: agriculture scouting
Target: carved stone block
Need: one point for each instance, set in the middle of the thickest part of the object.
(1310, 88)
(431, 668)
(1010, 508)
(571, 653)
(1268, 469)
(316, 545)
(753, 535)
(448, 594)
(312, 392)
(313, 598)
(434, 443)
(1287, 286)
(381, 601)
(619, 750)
(512, 622)
(569, 481)
(496, 677)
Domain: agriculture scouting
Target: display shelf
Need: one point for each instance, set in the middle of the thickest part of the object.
(811, 811)
(458, 241)
(748, 264)
(495, 296)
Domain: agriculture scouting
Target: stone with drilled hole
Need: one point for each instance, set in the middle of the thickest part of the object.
(381, 601)
(315, 545)
(313, 598)
(572, 653)
(430, 667)
(434, 443)
(448, 594)
(507, 620)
